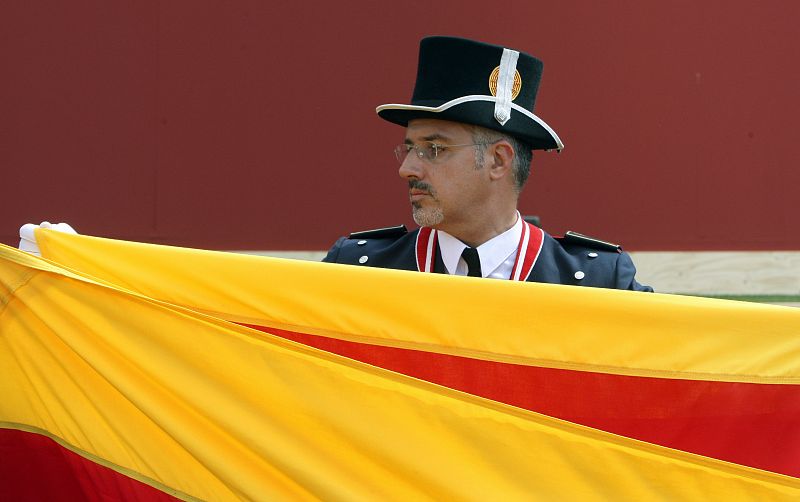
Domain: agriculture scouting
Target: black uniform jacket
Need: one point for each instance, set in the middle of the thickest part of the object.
(574, 259)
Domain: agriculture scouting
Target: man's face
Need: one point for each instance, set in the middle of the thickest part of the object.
(446, 191)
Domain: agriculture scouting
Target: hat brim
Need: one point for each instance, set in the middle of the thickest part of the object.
(478, 110)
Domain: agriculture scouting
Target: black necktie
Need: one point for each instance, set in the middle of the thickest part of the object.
(470, 256)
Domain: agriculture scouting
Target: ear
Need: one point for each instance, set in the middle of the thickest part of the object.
(501, 165)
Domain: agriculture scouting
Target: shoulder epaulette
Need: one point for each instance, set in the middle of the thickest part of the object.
(380, 233)
(584, 240)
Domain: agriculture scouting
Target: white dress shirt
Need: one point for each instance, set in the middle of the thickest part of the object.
(497, 255)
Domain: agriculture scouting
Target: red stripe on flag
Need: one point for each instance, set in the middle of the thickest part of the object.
(34, 468)
(745, 423)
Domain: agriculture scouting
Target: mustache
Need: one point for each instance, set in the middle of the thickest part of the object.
(420, 185)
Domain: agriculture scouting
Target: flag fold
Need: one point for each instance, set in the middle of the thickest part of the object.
(140, 362)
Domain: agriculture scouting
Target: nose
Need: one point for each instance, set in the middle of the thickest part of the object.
(411, 167)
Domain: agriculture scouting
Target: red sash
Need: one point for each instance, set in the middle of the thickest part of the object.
(530, 245)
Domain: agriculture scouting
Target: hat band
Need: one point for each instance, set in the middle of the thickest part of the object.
(472, 98)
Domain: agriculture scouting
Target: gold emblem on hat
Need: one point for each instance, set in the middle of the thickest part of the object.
(514, 88)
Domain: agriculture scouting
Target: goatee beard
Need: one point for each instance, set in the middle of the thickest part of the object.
(426, 216)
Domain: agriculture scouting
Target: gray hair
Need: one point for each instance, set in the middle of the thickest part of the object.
(523, 154)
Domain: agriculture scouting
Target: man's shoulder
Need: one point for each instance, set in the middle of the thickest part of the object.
(582, 260)
(574, 257)
(387, 247)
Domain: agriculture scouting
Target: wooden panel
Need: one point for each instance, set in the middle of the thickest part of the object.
(727, 273)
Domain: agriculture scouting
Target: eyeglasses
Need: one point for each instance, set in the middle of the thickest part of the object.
(427, 152)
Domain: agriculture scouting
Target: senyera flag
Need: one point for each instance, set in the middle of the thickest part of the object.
(133, 371)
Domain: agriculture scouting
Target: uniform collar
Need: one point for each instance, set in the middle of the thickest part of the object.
(492, 253)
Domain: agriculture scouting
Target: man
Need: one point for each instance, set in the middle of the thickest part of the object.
(470, 130)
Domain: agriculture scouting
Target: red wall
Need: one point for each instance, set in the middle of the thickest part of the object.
(250, 124)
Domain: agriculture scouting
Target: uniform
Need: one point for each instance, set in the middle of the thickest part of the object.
(574, 259)
(469, 82)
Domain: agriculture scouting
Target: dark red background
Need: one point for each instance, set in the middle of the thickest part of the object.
(248, 124)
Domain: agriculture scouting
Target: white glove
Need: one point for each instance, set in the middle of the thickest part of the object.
(27, 237)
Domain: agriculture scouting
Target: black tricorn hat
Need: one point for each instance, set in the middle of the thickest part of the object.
(477, 83)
